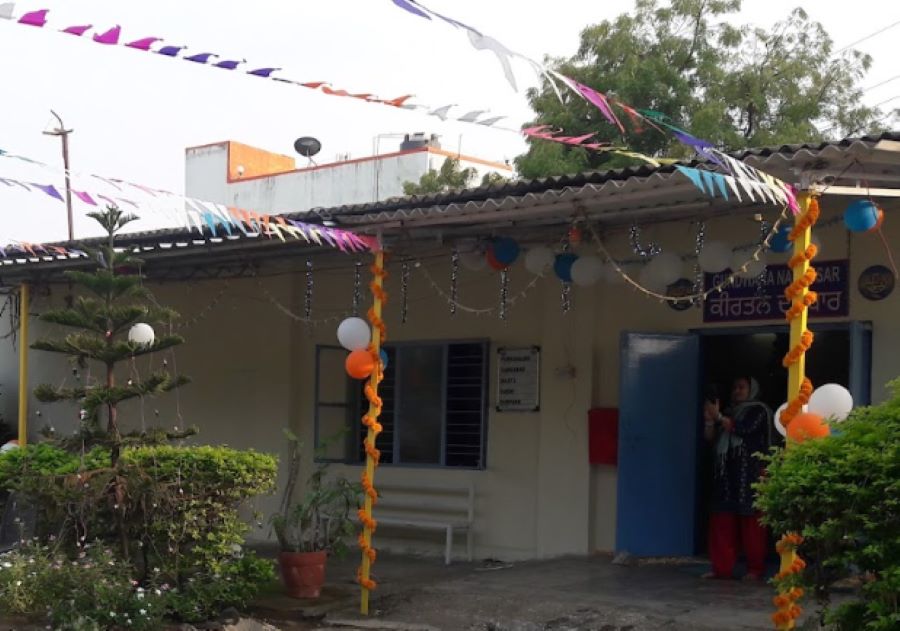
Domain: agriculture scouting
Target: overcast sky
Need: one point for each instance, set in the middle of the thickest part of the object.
(134, 113)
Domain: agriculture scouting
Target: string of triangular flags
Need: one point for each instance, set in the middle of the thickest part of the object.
(219, 220)
(740, 177)
(750, 179)
(113, 37)
(546, 132)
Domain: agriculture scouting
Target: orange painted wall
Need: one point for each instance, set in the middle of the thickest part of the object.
(256, 162)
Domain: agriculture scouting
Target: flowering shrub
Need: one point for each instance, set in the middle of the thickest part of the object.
(94, 590)
(166, 514)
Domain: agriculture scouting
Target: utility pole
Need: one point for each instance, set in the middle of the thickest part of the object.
(63, 133)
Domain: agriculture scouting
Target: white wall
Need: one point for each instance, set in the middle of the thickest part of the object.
(330, 185)
(253, 371)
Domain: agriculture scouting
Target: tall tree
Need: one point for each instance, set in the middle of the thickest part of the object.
(448, 178)
(114, 301)
(736, 86)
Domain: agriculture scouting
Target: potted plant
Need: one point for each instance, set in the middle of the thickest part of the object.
(317, 523)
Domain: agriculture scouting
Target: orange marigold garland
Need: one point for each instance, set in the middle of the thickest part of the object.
(370, 420)
(787, 609)
(801, 298)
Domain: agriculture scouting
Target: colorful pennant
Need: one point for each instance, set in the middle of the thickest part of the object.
(541, 131)
(741, 178)
(480, 41)
(112, 36)
(198, 214)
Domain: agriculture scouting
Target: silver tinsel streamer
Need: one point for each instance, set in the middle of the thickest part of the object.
(356, 287)
(566, 293)
(404, 290)
(652, 249)
(504, 292)
(307, 299)
(764, 228)
(698, 272)
(454, 277)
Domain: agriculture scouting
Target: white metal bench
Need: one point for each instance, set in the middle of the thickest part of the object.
(451, 510)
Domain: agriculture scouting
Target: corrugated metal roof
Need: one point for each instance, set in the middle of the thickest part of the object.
(815, 147)
(620, 195)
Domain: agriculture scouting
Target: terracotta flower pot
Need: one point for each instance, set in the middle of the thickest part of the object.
(303, 573)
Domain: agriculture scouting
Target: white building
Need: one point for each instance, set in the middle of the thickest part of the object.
(238, 175)
(259, 364)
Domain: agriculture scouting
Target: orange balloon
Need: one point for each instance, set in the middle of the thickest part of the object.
(807, 425)
(493, 262)
(878, 222)
(360, 364)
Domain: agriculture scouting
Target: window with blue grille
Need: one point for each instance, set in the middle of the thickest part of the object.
(434, 411)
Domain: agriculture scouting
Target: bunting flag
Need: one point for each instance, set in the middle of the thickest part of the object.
(752, 181)
(545, 132)
(112, 36)
(743, 180)
(480, 41)
(217, 219)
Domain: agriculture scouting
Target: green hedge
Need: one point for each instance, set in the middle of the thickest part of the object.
(842, 493)
(172, 513)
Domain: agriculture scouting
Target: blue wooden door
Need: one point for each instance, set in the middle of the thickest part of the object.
(659, 424)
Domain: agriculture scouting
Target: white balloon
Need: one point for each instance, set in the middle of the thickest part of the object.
(539, 260)
(650, 281)
(611, 275)
(831, 401)
(354, 334)
(777, 419)
(587, 270)
(666, 268)
(473, 260)
(714, 257)
(754, 267)
(141, 334)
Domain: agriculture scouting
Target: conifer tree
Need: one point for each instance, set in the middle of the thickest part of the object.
(114, 299)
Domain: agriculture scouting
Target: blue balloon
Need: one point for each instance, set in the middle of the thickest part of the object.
(384, 359)
(861, 215)
(779, 242)
(562, 266)
(506, 250)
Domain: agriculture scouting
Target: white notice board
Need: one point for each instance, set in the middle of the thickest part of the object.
(519, 379)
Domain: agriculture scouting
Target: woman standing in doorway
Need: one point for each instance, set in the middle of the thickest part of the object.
(737, 434)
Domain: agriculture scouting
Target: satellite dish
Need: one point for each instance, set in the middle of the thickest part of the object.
(307, 146)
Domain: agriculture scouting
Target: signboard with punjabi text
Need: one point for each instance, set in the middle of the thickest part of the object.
(763, 298)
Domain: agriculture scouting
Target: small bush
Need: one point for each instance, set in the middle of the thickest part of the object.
(842, 493)
(170, 514)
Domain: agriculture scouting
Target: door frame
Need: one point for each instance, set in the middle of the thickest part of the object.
(856, 354)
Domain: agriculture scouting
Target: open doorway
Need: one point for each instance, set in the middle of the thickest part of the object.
(662, 486)
(728, 354)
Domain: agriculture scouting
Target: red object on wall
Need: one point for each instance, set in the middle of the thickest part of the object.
(603, 435)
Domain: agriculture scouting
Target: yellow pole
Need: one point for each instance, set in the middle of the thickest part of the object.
(797, 391)
(797, 370)
(371, 421)
(23, 364)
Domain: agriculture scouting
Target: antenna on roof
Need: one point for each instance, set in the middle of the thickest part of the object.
(307, 146)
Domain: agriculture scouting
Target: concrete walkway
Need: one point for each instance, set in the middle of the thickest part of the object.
(561, 594)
